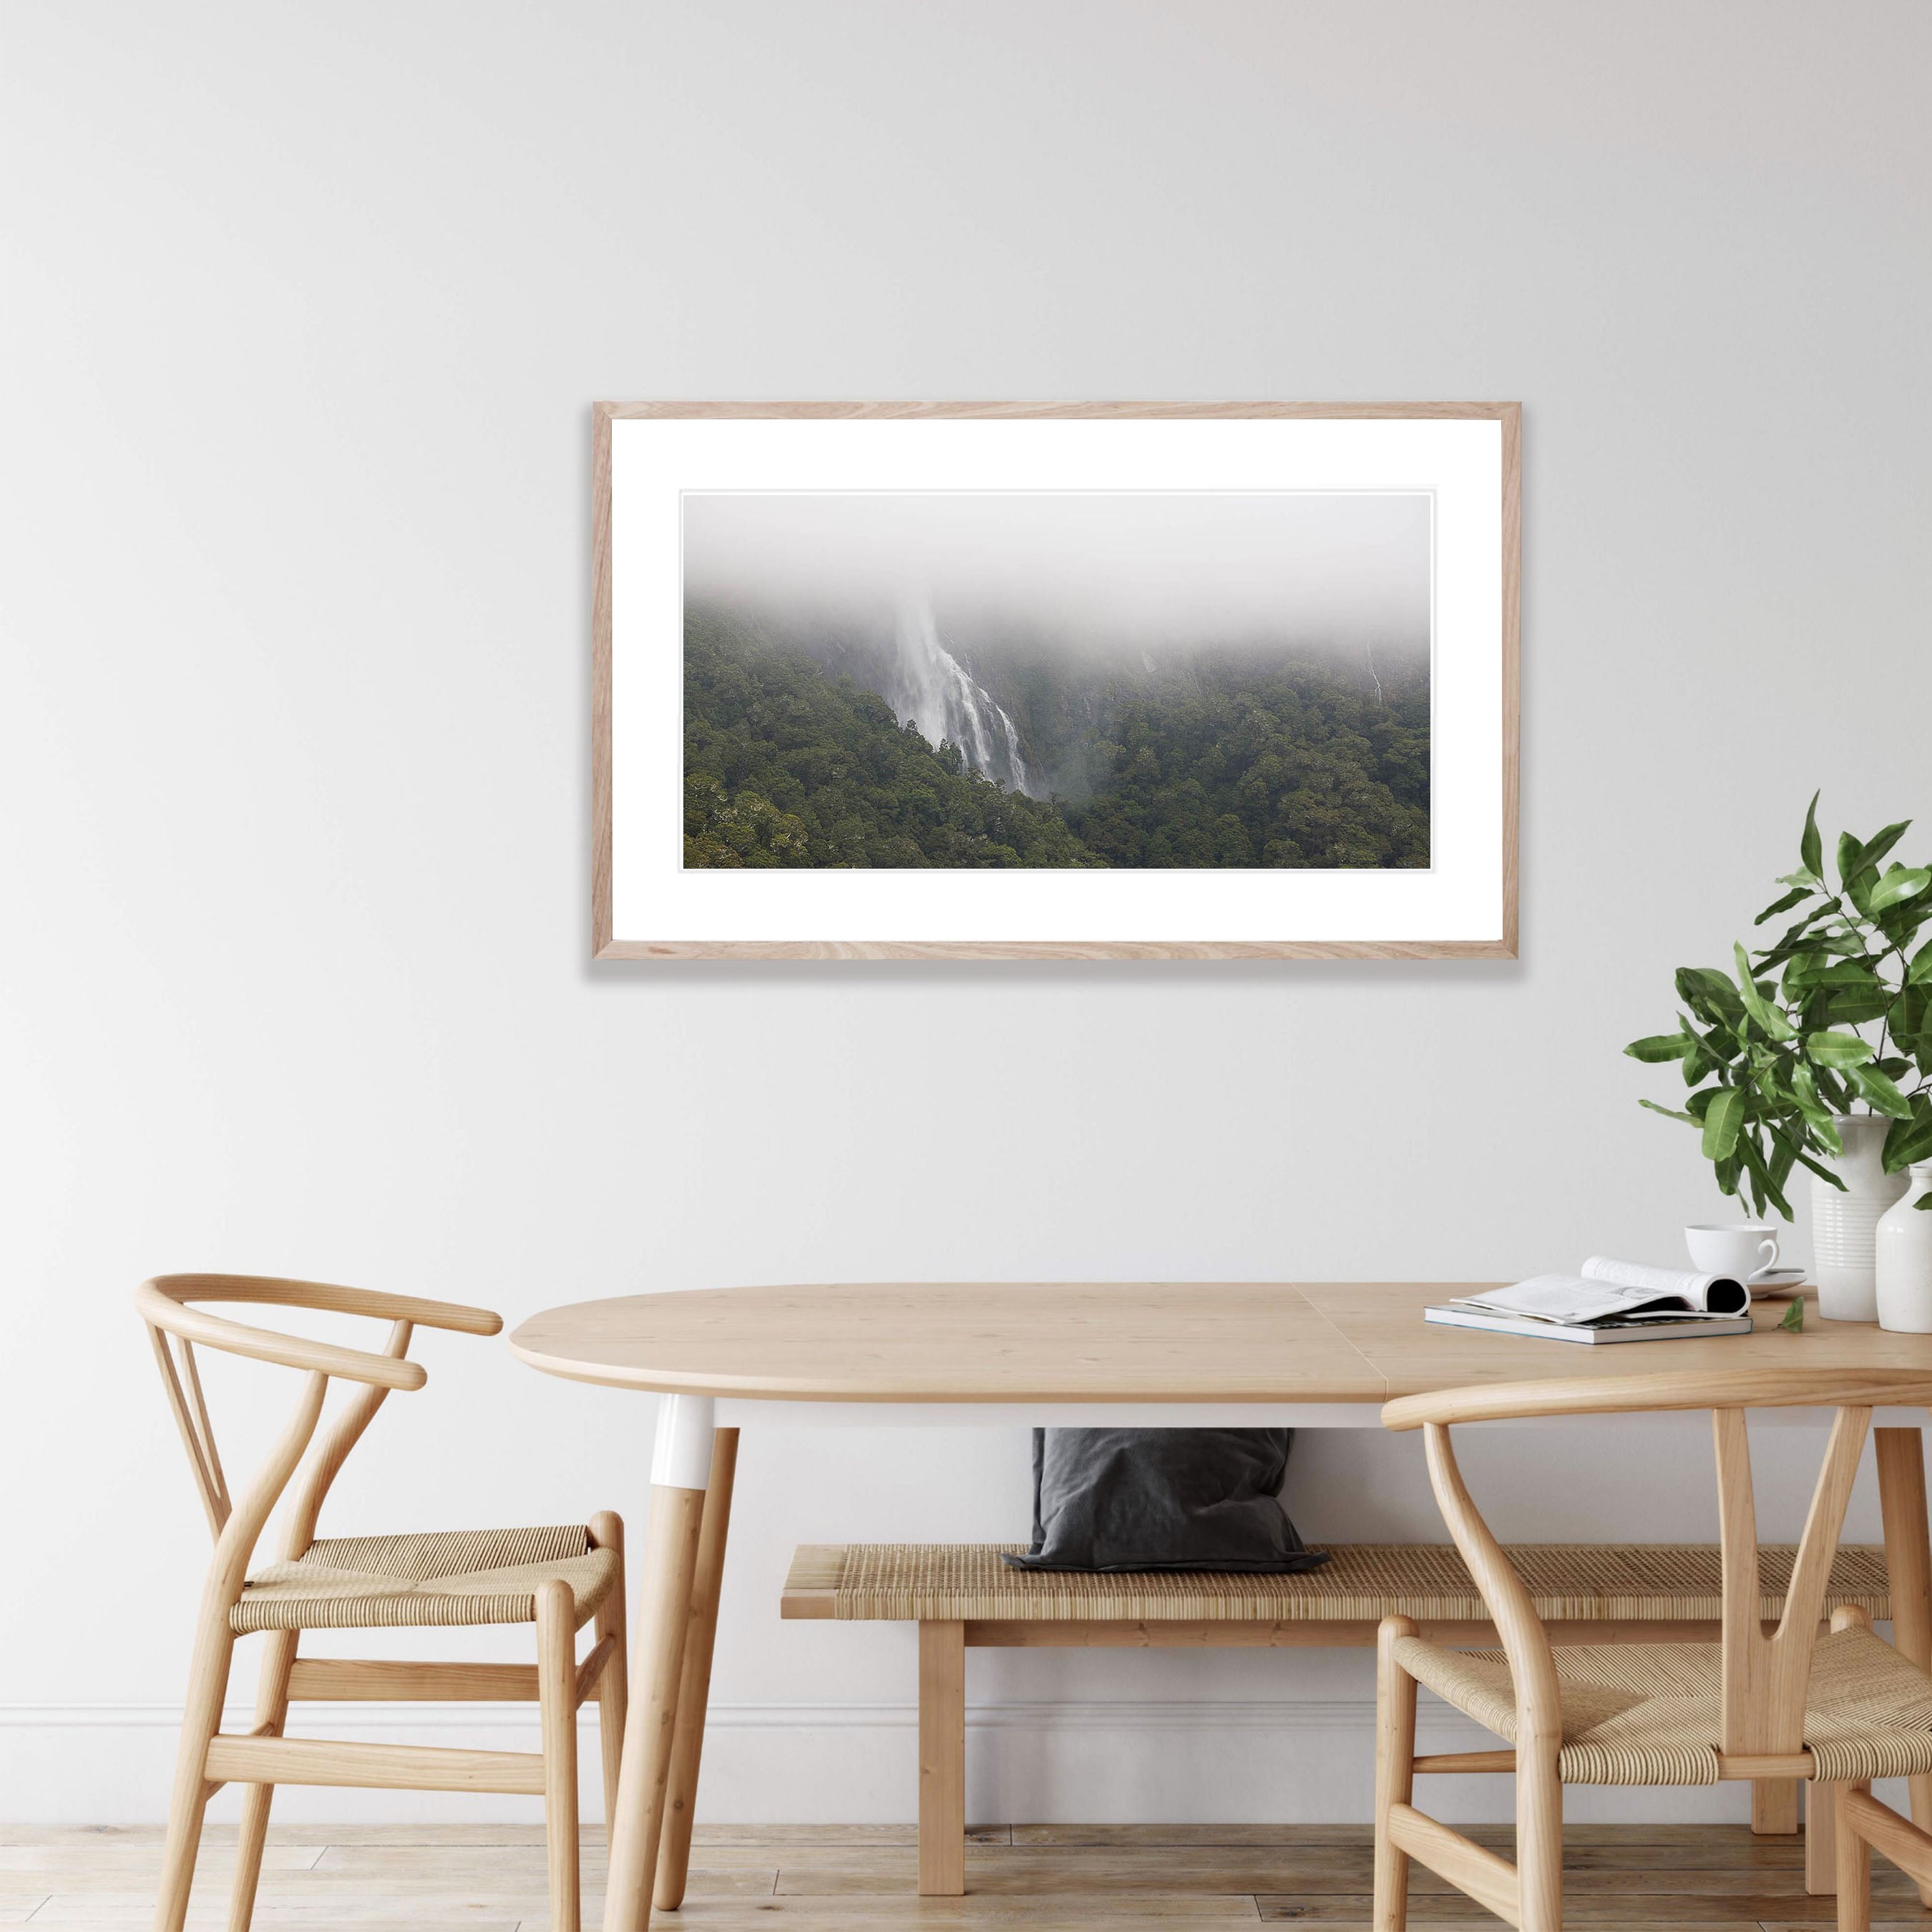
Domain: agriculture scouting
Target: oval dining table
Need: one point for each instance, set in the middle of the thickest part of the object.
(1201, 1354)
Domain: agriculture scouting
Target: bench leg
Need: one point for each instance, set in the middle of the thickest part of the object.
(1774, 1804)
(942, 1759)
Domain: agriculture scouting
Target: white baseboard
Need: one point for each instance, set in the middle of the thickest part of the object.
(355, 1718)
(1201, 1762)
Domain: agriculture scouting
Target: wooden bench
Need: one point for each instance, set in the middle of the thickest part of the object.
(962, 1597)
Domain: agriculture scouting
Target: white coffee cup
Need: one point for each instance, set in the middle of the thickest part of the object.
(1742, 1249)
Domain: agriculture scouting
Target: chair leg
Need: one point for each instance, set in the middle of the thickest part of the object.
(1395, 1775)
(613, 1688)
(1854, 1862)
(942, 1759)
(1900, 1456)
(1773, 1805)
(271, 1711)
(1539, 1837)
(557, 1697)
(201, 1718)
(1821, 1839)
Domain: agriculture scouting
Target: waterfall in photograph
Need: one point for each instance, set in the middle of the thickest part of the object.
(932, 689)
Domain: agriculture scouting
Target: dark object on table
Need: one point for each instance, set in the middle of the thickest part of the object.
(1162, 1499)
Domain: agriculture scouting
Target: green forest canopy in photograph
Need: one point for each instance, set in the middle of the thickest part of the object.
(1218, 758)
(1096, 678)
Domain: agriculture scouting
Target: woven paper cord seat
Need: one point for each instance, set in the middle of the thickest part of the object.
(1635, 1714)
(1362, 1582)
(440, 1578)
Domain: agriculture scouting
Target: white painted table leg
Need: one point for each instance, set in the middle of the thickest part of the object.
(693, 1696)
(680, 1471)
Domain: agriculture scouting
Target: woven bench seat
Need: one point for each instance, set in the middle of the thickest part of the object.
(1361, 1583)
(1663, 1595)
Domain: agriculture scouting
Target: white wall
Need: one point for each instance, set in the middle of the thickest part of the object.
(307, 309)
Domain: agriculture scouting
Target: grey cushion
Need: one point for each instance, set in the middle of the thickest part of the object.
(1162, 1499)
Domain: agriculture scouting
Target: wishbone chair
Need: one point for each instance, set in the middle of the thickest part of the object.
(557, 1579)
(1785, 1701)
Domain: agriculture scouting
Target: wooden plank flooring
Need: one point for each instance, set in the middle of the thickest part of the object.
(817, 1878)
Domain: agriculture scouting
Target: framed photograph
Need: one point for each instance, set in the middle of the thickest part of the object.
(1025, 680)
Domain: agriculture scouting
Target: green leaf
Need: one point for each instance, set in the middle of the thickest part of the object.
(1883, 1096)
(1711, 996)
(1790, 899)
(1794, 1316)
(1706, 1057)
(1848, 859)
(1873, 850)
(1854, 1009)
(1797, 1153)
(1671, 1113)
(1922, 1046)
(1797, 968)
(1840, 973)
(1763, 1187)
(1768, 1017)
(1782, 1155)
(1660, 1046)
(1833, 1092)
(1817, 1117)
(1838, 1049)
(1722, 1120)
(1899, 883)
(1910, 1140)
(1921, 968)
(1811, 853)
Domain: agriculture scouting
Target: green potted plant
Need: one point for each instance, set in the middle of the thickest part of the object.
(1817, 1051)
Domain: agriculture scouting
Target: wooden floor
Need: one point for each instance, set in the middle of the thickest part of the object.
(1051, 1878)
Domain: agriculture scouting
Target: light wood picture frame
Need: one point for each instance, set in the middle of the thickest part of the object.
(1040, 681)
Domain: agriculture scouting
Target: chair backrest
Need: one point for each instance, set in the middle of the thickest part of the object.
(175, 1325)
(1765, 1676)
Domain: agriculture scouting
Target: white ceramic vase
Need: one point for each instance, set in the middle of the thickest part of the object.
(1844, 1224)
(1904, 1239)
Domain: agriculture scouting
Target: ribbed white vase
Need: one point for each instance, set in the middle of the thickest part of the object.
(1844, 1224)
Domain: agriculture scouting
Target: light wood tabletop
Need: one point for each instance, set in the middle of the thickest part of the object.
(1170, 1353)
(1123, 1341)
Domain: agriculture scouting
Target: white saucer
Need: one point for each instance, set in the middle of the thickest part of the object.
(1772, 1279)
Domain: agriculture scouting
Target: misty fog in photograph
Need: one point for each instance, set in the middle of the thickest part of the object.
(1128, 678)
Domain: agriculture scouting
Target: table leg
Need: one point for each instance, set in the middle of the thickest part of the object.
(694, 1691)
(680, 1471)
(1908, 1561)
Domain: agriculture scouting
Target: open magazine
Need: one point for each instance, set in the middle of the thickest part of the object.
(1608, 1300)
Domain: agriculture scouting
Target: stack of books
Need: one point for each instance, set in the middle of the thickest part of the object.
(1607, 1301)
